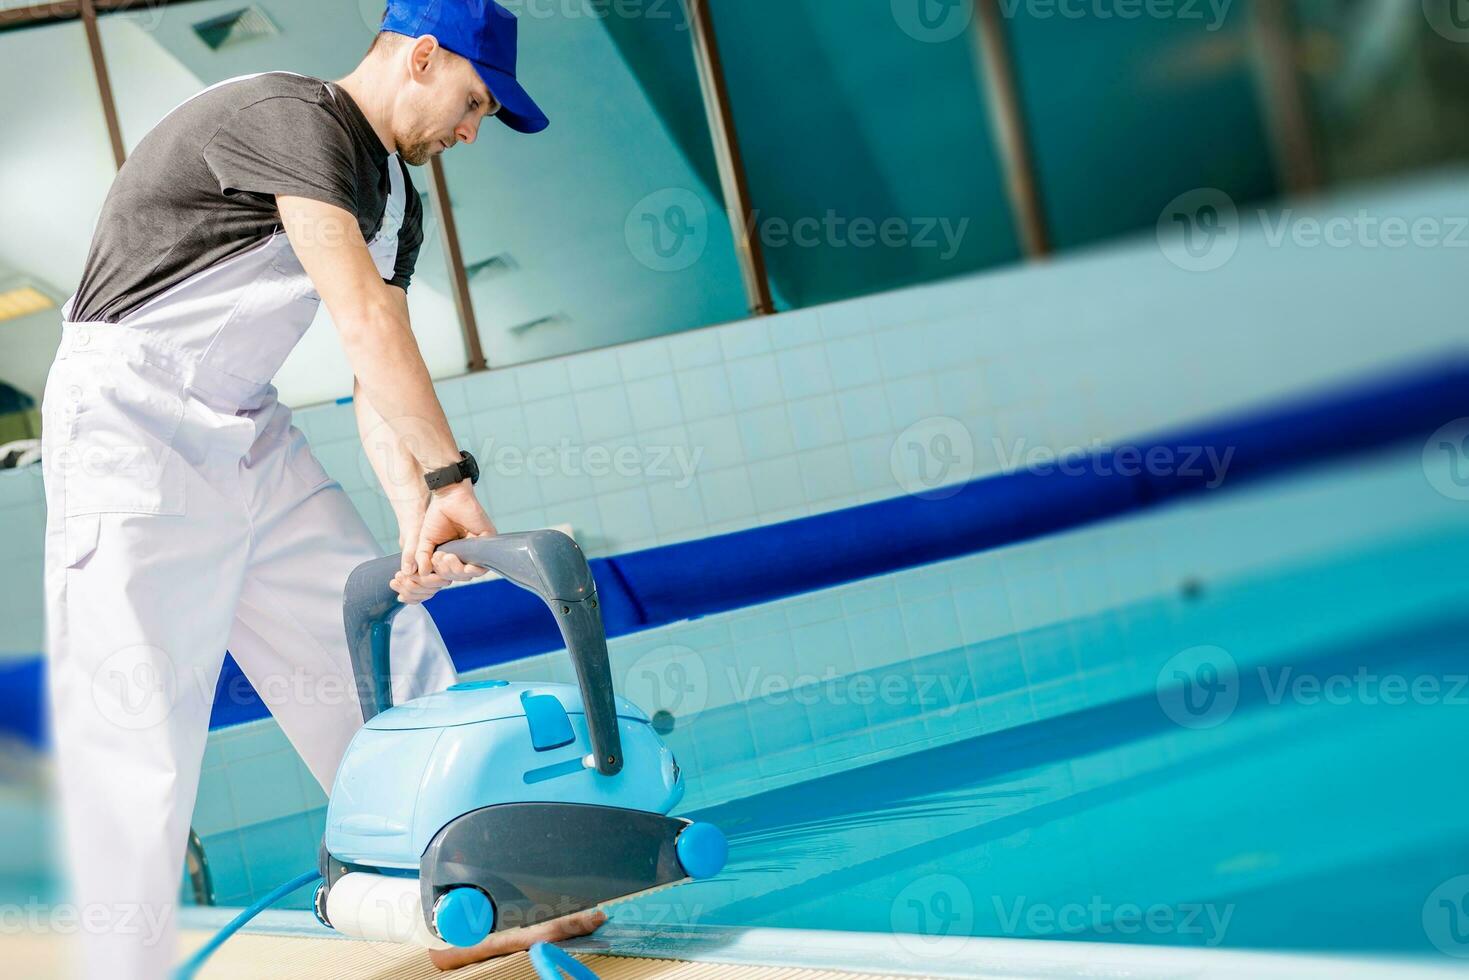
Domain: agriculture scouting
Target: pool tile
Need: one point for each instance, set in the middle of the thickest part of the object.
(645, 359)
(877, 638)
(901, 354)
(728, 495)
(815, 422)
(931, 624)
(491, 389)
(714, 444)
(822, 649)
(853, 362)
(594, 369)
(214, 810)
(603, 413)
(777, 486)
(795, 329)
(765, 433)
(864, 412)
(694, 348)
(744, 339)
(675, 509)
(266, 787)
(804, 372)
(704, 392)
(543, 379)
(550, 422)
(654, 403)
(754, 382)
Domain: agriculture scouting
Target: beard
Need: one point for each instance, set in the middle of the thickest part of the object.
(417, 154)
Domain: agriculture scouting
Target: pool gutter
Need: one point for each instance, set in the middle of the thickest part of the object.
(904, 954)
(963, 958)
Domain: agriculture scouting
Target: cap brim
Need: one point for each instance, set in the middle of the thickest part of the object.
(517, 109)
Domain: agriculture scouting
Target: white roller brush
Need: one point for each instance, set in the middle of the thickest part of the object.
(380, 908)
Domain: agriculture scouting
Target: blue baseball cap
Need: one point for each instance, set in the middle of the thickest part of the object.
(483, 32)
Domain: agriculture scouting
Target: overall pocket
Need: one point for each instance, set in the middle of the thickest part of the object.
(119, 415)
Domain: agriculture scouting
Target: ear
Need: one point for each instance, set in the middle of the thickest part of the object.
(421, 55)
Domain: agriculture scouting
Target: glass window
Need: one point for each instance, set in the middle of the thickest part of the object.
(609, 226)
(866, 142)
(1126, 113)
(1388, 84)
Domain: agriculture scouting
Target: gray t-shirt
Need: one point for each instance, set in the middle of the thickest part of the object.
(201, 187)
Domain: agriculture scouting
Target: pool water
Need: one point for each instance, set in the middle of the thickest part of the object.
(1294, 779)
(1239, 723)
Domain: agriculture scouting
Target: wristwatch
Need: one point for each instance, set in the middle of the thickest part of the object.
(447, 476)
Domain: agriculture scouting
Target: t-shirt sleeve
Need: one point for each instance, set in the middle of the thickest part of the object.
(284, 145)
(410, 236)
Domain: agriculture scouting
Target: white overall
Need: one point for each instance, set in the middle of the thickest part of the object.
(186, 515)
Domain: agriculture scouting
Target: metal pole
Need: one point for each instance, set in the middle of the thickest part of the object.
(1007, 119)
(104, 84)
(732, 178)
(454, 262)
(1286, 105)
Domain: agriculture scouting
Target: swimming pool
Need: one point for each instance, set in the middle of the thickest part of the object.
(1283, 769)
(1308, 818)
(1225, 736)
(1231, 723)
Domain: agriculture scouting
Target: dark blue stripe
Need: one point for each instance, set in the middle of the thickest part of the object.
(497, 622)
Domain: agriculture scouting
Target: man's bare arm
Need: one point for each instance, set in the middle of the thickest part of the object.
(396, 468)
(371, 317)
(372, 320)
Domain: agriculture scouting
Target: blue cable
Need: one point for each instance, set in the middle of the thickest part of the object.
(192, 964)
(549, 960)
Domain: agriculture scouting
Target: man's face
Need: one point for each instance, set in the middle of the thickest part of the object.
(442, 106)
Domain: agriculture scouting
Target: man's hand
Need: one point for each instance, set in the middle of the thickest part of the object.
(453, 512)
(448, 569)
(444, 569)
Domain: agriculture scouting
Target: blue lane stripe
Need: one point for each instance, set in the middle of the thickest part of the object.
(497, 622)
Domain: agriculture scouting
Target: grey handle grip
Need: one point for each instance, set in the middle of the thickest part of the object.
(545, 562)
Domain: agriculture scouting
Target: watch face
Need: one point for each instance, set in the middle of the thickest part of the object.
(471, 468)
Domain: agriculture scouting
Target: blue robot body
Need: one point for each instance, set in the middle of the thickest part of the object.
(415, 767)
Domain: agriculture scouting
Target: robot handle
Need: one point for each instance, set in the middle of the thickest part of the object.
(545, 562)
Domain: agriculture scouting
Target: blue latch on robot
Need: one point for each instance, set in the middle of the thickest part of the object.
(550, 728)
(478, 685)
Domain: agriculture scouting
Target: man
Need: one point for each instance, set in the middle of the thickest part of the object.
(185, 514)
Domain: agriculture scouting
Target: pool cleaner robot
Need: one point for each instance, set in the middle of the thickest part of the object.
(493, 805)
